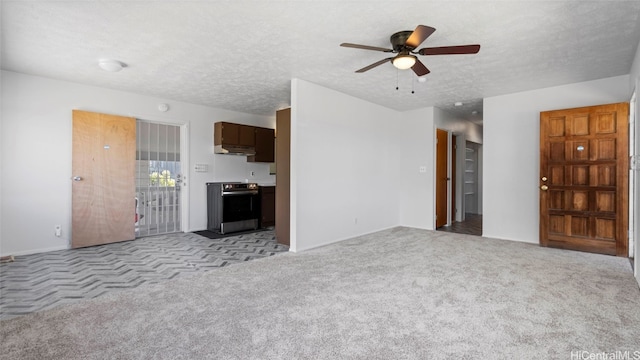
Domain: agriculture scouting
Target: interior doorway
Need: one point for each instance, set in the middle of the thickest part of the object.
(465, 202)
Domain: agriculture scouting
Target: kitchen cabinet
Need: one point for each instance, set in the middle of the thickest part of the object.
(265, 146)
(230, 134)
(268, 206)
(256, 142)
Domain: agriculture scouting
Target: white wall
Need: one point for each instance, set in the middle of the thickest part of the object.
(417, 149)
(36, 154)
(343, 167)
(511, 151)
(1, 153)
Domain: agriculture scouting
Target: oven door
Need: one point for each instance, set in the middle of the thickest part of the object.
(240, 206)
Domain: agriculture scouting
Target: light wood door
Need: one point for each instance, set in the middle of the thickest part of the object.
(103, 165)
(442, 179)
(584, 171)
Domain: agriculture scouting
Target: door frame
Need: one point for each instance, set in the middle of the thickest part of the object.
(457, 166)
(184, 163)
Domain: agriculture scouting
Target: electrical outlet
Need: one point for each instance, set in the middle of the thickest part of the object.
(58, 229)
(252, 173)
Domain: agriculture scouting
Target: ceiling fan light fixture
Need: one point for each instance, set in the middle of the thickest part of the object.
(404, 61)
(405, 44)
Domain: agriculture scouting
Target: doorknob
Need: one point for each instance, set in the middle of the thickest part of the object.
(544, 178)
(544, 187)
(77, 178)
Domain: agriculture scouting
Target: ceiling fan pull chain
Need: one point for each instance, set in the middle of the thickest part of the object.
(397, 72)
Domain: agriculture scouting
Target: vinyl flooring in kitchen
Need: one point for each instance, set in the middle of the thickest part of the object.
(472, 225)
(42, 281)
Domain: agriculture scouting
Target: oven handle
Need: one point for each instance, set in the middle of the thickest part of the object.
(251, 192)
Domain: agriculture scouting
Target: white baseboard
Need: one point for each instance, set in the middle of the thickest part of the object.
(35, 251)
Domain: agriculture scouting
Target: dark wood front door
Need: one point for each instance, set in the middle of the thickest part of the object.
(584, 175)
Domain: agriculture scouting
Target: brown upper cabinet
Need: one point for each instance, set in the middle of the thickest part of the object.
(234, 134)
(265, 146)
(255, 142)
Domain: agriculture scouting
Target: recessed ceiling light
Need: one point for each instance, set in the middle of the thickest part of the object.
(457, 103)
(111, 65)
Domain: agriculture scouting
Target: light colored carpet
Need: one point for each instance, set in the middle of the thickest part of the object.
(397, 294)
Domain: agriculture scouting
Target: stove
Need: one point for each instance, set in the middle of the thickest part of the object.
(232, 206)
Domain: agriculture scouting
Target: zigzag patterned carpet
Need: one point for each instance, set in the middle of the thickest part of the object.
(43, 281)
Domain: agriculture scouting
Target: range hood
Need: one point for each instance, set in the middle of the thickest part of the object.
(234, 150)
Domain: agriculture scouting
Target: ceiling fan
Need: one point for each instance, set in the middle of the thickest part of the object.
(404, 43)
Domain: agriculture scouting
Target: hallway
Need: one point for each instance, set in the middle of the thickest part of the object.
(472, 225)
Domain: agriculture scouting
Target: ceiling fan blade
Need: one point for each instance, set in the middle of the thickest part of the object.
(365, 47)
(419, 68)
(367, 68)
(450, 50)
(420, 34)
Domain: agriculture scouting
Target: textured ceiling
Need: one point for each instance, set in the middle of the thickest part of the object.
(241, 55)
